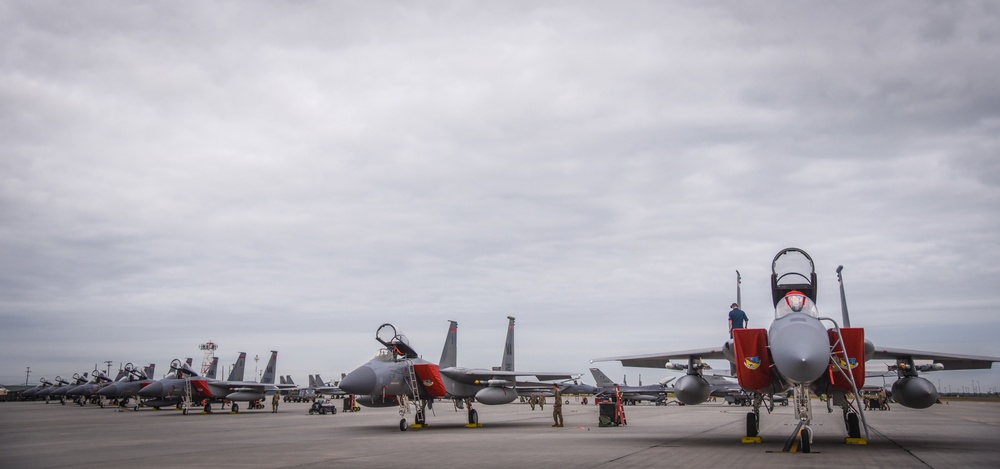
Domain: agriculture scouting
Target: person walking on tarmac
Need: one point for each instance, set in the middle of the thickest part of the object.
(557, 408)
(737, 319)
(274, 403)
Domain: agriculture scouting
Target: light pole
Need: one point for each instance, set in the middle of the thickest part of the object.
(26, 374)
(108, 362)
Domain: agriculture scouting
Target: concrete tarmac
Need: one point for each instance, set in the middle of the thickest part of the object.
(39, 435)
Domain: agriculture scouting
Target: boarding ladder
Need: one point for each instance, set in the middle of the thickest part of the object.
(188, 396)
(854, 402)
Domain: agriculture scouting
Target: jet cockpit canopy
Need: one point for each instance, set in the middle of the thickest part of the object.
(792, 270)
(795, 302)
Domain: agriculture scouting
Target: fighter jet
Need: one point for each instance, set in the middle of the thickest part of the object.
(46, 392)
(30, 393)
(801, 354)
(187, 387)
(61, 391)
(127, 388)
(397, 374)
(81, 394)
(317, 384)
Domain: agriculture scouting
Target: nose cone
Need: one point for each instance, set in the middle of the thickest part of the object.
(154, 389)
(110, 390)
(800, 348)
(360, 381)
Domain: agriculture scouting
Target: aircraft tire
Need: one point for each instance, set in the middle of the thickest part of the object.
(805, 444)
(853, 426)
(473, 417)
(752, 429)
(184, 411)
(402, 425)
(208, 407)
(236, 408)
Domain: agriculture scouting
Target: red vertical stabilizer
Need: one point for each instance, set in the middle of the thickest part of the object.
(430, 379)
(854, 341)
(753, 364)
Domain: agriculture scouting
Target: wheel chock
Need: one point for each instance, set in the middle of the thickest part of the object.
(856, 441)
(417, 425)
(473, 425)
(752, 439)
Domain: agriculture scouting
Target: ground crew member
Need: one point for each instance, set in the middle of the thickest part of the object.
(531, 401)
(557, 408)
(274, 403)
(737, 319)
(541, 401)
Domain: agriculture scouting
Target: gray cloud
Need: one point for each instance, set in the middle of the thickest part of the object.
(292, 175)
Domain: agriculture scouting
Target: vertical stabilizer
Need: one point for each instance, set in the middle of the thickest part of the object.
(213, 369)
(288, 380)
(312, 381)
(268, 377)
(449, 355)
(602, 379)
(319, 381)
(507, 364)
(843, 297)
(237, 373)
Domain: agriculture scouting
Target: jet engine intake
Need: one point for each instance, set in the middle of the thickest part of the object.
(692, 389)
(914, 392)
(496, 395)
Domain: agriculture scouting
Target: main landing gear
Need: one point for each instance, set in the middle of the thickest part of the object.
(753, 420)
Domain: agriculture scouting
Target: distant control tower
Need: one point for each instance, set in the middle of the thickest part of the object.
(209, 348)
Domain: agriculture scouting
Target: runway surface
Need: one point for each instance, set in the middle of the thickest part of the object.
(39, 435)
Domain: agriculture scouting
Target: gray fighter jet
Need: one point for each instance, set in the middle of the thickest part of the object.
(801, 354)
(127, 388)
(46, 392)
(59, 392)
(29, 394)
(397, 375)
(187, 388)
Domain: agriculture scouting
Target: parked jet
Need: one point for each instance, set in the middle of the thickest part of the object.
(317, 384)
(81, 394)
(397, 374)
(206, 391)
(30, 393)
(128, 387)
(60, 391)
(46, 392)
(799, 353)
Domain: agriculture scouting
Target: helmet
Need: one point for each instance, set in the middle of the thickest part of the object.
(795, 300)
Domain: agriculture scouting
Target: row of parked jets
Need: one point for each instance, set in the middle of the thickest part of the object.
(801, 354)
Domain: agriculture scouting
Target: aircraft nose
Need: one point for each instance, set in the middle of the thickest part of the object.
(360, 381)
(107, 391)
(801, 351)
(154, 389)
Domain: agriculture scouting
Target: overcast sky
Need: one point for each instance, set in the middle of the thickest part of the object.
(290, 175)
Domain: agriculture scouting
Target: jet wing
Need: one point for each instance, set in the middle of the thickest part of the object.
(470, 375)
(951, 361)
(659, 360)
